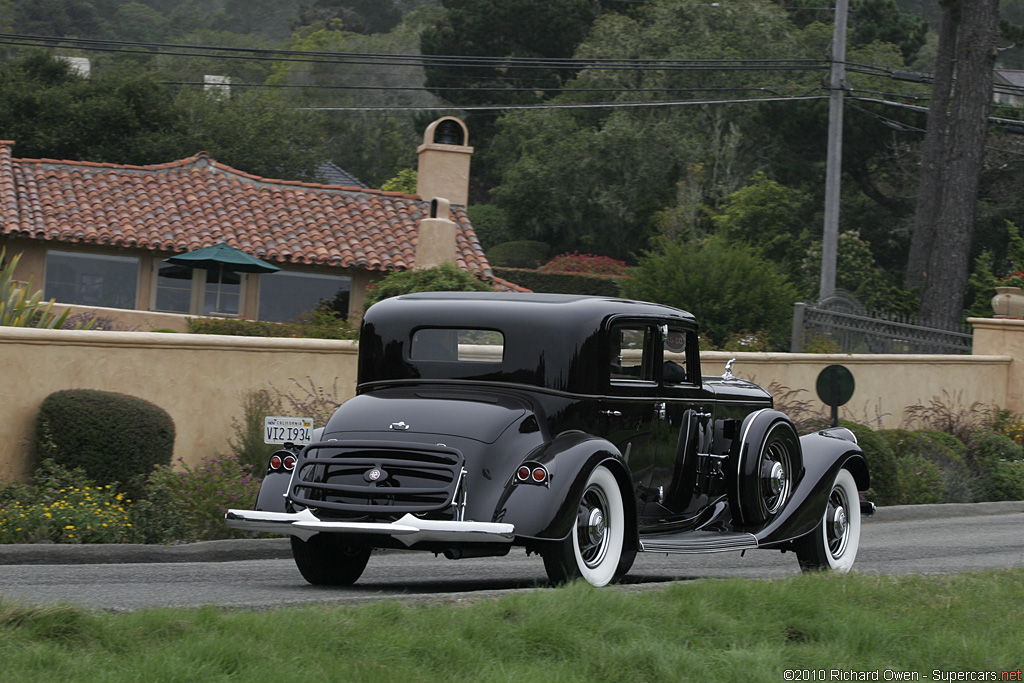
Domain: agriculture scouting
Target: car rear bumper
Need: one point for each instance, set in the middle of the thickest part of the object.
(409, 530)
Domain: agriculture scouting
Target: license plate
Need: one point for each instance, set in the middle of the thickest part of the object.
(297, 430)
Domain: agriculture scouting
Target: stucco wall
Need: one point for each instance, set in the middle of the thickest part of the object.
(200, 379)
(885, 384)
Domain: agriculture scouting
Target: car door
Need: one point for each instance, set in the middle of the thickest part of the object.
(685, 412)
(628, 412)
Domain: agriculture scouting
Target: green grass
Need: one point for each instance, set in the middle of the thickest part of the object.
(719, 630)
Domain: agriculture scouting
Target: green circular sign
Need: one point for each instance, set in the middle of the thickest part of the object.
(835, 385)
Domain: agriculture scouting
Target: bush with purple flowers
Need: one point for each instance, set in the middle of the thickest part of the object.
(188, 503)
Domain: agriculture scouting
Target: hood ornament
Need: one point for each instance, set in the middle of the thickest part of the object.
(728, 370)
(399, 426)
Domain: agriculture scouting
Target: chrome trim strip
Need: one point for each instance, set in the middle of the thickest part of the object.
(409, 529)
(742, 541)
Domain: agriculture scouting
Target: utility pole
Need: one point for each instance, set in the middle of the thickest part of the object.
(834, 164)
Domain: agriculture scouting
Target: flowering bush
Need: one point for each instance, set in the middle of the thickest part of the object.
(586, 264)
(63, 507)
(189, 504)
(1014, 279)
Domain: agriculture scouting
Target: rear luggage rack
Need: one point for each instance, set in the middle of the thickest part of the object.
(377, 477)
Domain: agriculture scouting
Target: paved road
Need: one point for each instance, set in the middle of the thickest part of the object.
(989, 536)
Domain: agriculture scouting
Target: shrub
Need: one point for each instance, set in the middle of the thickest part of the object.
(885, 475)
(931, 467)
(63, 506)
(310, 400)
(586, 264)
(443, 278)
(562, 283)
(189, 505)
(521, 254)
(113, 438)
(997, 463)
(248, 445)
(321, 323)
(729, 287)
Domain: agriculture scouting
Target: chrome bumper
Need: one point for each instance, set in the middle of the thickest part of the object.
(409, 529)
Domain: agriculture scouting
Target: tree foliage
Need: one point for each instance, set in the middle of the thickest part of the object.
(127, 118)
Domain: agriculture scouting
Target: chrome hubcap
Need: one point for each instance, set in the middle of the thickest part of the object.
(595, 527)
(775, 476)
(777, 479)
(837, 523)
(591, 527)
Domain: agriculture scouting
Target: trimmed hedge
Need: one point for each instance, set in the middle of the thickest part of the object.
(111, 437)
(562, 283)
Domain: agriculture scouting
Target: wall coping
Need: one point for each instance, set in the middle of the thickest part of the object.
(997, 323)
(856, 359)
(173, 340)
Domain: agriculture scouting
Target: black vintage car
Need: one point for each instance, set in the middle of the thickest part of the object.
(579, 428)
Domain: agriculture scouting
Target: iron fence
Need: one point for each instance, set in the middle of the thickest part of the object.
(842, 325)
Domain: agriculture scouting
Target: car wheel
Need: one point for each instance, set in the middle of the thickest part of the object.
(594, 549)
(327, 560)
(834, 543)
(767, 482)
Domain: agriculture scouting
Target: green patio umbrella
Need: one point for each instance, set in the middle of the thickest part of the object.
(221, 257)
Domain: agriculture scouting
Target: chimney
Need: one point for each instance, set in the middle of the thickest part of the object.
(444, 161)
(436, 243)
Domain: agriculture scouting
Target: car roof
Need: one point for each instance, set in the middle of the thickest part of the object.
(550, 340)
(539, 308)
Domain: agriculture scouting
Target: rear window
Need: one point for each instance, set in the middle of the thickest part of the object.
(461, 345)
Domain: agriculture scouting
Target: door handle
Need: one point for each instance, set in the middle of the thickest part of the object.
(611, 413)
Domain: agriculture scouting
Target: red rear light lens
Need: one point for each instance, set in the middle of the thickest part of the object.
(275, 462)
(523, 474)
(289, 462)
(540, 474)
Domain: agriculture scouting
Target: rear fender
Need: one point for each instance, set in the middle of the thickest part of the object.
(824, 455)
(548, 512)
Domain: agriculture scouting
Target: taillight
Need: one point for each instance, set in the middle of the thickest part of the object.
(532, 473)
(289, 462)
(275, 462)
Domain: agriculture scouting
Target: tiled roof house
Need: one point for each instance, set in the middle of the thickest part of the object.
(95, 235)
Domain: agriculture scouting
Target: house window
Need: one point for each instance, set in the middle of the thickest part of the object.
(180, 289)
(92, 279)
(287, 295)
(173, 288)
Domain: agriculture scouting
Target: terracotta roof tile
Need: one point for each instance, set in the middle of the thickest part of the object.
(197, 202)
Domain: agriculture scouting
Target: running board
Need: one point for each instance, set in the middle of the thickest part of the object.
(697, 542)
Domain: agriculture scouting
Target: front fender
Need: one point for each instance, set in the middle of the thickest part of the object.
(549, 512)
(824, 455)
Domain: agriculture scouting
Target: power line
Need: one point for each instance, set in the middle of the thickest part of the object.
(394, 59)
(592, 105)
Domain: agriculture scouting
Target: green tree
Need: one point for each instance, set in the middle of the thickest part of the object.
(372, 145)
(728, 286)
(594, 180)
(770, 216)
(130, 118)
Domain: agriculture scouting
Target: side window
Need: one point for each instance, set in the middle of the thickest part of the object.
(674, 369)
(632, 357)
